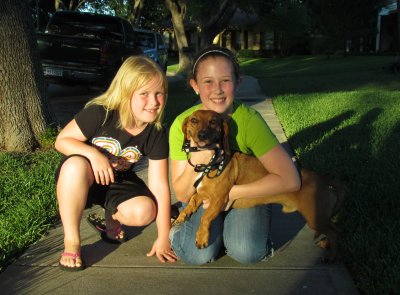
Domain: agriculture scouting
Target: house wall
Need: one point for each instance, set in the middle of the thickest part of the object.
(388, 32)
(240, 40)
(387, 27)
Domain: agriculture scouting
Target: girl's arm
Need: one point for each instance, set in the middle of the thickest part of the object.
(159, 186)
(72, 141)
(282, 177)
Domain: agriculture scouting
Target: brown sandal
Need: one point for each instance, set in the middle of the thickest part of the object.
(99, 225)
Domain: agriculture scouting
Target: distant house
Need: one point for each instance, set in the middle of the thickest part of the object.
(244, 31)
(387, 28)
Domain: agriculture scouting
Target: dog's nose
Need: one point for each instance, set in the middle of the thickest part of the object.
(201, 135)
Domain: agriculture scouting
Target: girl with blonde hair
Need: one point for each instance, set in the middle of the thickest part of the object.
(101, 146)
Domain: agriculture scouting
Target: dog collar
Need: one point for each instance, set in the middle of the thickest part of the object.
(190, 149)
(217, 162)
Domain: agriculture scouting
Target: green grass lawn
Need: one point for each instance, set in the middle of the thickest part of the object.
(341, 115)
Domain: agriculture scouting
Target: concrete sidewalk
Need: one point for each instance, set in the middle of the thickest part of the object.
(125, 269)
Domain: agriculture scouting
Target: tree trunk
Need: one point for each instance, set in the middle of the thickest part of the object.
(178, 11)
(135, 14)
(23, 100)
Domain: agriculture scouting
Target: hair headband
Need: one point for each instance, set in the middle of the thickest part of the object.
(206, 53)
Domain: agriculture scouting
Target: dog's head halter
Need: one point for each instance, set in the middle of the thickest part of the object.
(217, 162)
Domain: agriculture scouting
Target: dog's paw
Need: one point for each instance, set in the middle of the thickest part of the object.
(201, 245)
(178, 221)
(175, 222)
(202, 240)
(181, 219)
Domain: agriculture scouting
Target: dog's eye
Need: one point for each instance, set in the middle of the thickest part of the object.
(194, 120)
(213, 121)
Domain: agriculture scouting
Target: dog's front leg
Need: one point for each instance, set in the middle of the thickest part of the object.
(193, 205)
(203, 233)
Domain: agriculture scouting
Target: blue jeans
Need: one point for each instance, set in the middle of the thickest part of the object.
(245, 233)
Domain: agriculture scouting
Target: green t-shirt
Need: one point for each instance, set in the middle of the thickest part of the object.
(248, 132)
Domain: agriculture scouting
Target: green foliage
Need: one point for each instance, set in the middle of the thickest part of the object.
(48, 138)
(248, 53)
(290, 23)
(342, 116)
(339, 20)
(28, 204)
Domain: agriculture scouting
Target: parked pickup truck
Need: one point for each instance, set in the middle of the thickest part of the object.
(153, 46)
(85, 48)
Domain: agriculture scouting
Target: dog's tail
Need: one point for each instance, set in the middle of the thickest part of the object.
(339, 188)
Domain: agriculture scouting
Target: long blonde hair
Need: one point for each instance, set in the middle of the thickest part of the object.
(134, 73)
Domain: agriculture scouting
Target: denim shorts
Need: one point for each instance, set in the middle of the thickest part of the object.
(127, 185)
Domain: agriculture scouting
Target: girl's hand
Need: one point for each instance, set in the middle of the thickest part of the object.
(102, 169)
(229, 204)
(163, 251)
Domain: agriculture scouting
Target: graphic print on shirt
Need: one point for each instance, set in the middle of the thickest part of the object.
(121, 159)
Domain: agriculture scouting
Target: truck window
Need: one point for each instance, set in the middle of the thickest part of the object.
(145, 40)
(86, 27)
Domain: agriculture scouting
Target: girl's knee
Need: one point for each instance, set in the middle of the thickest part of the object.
(248, 253)
(76, 168)
(140, 214)
(190, 255)
(182, 242)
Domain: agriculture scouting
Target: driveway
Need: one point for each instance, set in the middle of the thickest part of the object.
(66, 101)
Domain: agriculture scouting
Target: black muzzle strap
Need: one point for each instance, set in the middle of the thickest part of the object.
(217, 162)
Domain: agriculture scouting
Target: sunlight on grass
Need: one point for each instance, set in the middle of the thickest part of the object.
(355, 135)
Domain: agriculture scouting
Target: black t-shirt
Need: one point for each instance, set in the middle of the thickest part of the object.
(122, 148)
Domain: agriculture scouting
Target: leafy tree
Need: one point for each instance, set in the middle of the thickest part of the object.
(25, 110)
(41, 11)
(290, 23)
(212, 17)
(155, 15)
(342, 20)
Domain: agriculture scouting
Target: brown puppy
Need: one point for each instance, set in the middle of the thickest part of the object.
(317, 200)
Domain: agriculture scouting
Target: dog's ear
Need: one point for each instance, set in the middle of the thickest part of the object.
(184, 128)
(225, 140)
